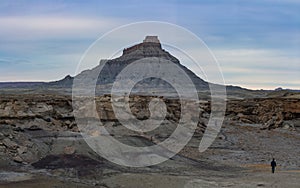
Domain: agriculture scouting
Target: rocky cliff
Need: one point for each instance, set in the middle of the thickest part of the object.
(31, 113)
(270, 113)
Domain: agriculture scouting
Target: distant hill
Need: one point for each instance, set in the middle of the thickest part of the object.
(21, 84)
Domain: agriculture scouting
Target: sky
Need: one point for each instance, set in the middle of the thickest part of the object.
(256, 43)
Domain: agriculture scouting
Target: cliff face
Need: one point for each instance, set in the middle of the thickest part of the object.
(30, 123)
(269, 112)
(148, 43)
(26, 119)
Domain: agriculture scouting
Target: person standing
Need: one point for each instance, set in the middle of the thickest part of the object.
(273, 165)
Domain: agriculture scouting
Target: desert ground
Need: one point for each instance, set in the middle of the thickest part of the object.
(40, 146)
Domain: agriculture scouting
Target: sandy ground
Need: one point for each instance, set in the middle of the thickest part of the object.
(132, 180)
(262, 179)
(239, 157)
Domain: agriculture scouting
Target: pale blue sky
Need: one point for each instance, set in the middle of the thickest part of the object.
(257, 43)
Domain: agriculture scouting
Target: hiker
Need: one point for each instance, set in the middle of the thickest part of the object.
(273, 165)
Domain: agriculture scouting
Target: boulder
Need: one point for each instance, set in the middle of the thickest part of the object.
(18, 159)
(21, 150)
(10, 144)
(42, 108)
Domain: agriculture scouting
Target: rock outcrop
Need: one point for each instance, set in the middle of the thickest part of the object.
(30, 123)
(270, 112)
(38, 112)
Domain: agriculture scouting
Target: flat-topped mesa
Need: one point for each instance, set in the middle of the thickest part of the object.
(150, 49)
(153, 39)
(148, 42)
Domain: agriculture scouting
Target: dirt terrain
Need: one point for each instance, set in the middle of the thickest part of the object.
(40, 145)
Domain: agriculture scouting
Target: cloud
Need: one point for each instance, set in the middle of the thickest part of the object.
(16, 28)
(260, 68)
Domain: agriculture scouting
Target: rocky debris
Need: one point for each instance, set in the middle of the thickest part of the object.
(38, 112)
(19, 146)
(18, 159)
(271, 113)
(9, 144)
(30, 124)
(21, 150)
(33, 127)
